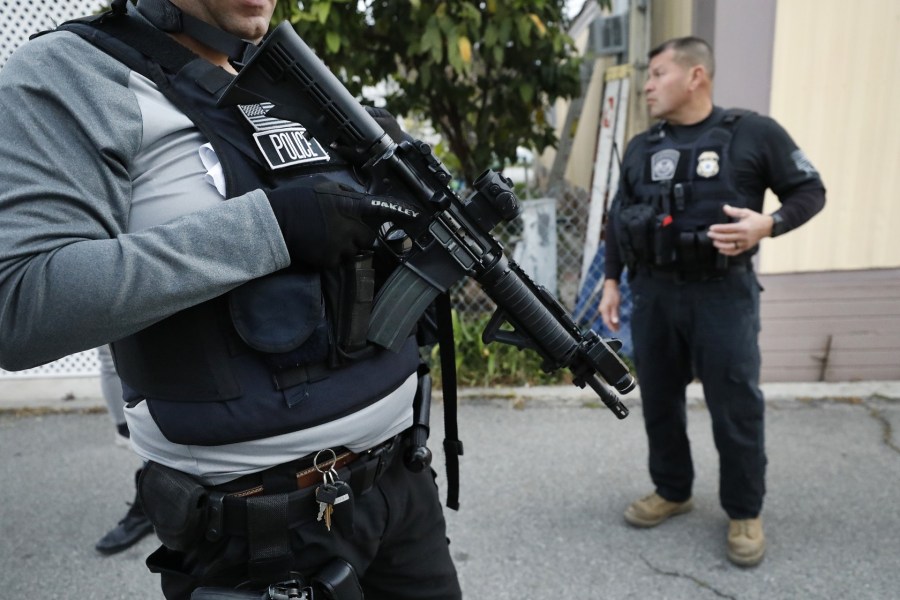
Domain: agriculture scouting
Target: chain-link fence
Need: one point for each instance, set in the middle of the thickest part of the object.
(571, 210)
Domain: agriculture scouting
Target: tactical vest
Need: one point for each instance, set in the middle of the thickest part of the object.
(261, 360)
(680, 193)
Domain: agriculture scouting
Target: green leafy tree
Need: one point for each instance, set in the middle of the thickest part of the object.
(483, 72)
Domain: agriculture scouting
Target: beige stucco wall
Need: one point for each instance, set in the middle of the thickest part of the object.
(835, 85)
(669, 19)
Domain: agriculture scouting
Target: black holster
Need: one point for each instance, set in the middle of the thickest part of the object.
(697, 253)
(175, 503)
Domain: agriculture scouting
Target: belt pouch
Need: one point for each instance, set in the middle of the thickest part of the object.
(635, 224)
(175, 503)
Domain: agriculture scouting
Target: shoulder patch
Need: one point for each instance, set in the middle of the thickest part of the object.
(802, 162)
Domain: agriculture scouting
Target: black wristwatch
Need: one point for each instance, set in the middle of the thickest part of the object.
(778, 224)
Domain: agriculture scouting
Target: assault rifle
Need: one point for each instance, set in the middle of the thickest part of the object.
(450, 240)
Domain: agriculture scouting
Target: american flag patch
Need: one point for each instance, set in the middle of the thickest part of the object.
(257, 116)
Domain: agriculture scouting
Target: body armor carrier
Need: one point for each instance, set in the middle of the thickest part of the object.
(682, 189)
(259, 361)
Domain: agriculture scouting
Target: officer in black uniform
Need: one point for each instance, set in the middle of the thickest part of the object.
(686, 221)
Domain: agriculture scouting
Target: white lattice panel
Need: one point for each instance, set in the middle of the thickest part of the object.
(21, 18)
(82, 364)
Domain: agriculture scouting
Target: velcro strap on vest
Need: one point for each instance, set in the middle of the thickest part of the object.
(300, 374)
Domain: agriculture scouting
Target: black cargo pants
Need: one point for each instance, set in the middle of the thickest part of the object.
(709, 330)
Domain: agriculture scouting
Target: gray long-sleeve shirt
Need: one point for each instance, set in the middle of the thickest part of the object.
(87, 251)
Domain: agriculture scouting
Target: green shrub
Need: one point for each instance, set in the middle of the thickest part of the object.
(495, 364)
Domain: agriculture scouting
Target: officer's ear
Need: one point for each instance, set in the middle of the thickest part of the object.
(698, 77)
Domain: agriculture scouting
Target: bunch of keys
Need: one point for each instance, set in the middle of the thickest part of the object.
(333, 491)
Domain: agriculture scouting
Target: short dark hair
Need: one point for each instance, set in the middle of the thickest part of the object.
(689, 51)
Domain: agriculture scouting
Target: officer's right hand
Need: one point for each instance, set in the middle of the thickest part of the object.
(609, 304)
(328, 222)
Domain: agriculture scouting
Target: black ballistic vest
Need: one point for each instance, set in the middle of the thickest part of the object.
(681, 191)
(208, 373)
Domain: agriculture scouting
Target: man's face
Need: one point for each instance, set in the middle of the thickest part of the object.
(667, 87)
(247, 19)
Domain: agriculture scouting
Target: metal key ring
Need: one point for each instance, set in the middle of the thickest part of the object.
(331, 461)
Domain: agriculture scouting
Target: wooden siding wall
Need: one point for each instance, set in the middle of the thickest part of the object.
(831, 326)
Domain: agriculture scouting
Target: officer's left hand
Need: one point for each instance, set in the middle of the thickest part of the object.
(732, 239)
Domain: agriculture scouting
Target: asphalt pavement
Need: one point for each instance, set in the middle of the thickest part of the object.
(545, 477)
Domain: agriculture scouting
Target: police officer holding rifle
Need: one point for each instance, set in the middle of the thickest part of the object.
(227, 250)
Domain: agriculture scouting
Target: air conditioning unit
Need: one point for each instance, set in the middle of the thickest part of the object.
(609, 35)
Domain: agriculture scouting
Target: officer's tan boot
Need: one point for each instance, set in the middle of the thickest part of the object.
(652, 510)
(746, 542)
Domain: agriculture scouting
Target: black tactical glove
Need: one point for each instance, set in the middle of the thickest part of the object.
(389, 123)
(328, 222)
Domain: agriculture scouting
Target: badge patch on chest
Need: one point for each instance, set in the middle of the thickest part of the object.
(663, 164)
(708, 164)
(282, 143)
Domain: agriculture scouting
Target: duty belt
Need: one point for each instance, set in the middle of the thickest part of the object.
(227, 503)
(689, 275)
